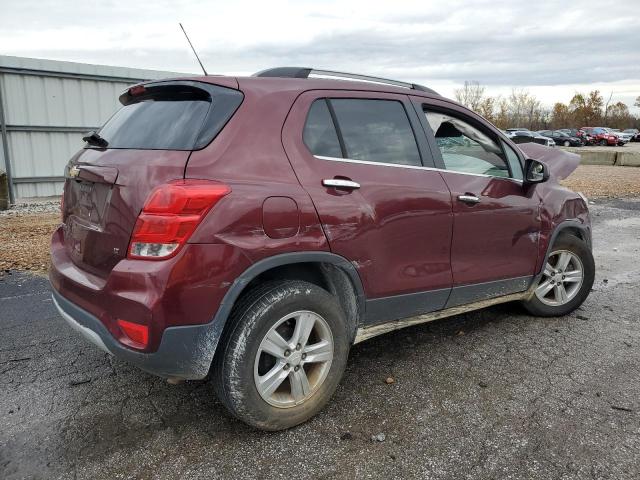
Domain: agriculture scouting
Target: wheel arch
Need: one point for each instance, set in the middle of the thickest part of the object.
(570, 227)
(327, 270)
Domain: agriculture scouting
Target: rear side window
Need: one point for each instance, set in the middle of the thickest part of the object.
(376, 131)
(176, 116)
(319, 134)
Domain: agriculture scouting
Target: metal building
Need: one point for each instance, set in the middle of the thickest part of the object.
(45, 107)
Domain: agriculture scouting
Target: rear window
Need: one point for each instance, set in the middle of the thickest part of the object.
(171, 116)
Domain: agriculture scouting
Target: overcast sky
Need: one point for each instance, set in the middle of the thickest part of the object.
(551, 48)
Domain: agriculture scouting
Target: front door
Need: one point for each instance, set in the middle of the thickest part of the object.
(496, 218)
(361, 158)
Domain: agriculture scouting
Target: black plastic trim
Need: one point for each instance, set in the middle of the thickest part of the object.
(285, 72)
(389, 309)
(426, 155)
(286, 259)
(436, 155)
(336, 125)
(183, 351)
(224, 310)
(466, 294)
(557, 231)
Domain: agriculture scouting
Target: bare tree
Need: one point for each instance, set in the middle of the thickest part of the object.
(470, 95)
(606, 107)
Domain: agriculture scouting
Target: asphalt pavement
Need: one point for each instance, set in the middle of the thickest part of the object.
(491, 394)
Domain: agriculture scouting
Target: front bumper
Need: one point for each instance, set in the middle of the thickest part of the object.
(185, 352)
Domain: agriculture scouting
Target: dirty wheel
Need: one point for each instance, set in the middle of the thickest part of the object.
(284, 356)
(566, 279)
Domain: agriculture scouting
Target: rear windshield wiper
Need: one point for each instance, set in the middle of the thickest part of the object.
(94, 138)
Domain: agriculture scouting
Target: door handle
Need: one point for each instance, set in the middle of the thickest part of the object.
(468, 198)
(340, 183)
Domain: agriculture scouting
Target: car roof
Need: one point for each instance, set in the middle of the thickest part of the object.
(295, 78)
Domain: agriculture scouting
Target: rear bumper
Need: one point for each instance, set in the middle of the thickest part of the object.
(176, 299)
(184, 352)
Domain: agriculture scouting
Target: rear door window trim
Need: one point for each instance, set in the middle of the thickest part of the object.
(412, 167)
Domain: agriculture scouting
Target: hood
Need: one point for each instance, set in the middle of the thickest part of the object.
(560, 163)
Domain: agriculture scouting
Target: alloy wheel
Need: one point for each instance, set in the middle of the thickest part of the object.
(293, 359)
(561, 279)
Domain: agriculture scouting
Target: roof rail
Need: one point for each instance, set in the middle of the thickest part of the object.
(301, 72)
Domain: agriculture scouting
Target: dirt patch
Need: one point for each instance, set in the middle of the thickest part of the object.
(25, 241)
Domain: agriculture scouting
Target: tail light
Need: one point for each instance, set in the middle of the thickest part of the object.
(170, 215)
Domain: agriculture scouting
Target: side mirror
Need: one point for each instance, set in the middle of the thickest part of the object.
(535, 171)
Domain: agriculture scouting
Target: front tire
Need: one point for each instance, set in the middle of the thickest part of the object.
(567, 143)
(566, 280)
(284, 355)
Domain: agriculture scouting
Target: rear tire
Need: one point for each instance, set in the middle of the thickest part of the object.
(266, 372)
(567, 279)
(603, 143)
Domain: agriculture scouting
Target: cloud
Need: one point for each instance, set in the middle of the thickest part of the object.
(499, 43)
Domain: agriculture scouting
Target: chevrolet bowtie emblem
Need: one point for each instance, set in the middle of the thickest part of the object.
(74, 172)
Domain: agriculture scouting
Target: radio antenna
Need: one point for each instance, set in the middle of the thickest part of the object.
(194, 50)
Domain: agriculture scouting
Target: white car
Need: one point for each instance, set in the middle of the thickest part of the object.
(622, 136)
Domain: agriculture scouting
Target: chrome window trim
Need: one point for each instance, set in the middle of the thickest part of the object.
(413, 167)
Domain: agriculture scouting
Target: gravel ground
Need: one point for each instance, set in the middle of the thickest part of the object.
(25, 229)
(491, 394)
(629, 147)
(597, 181)
(25, 234)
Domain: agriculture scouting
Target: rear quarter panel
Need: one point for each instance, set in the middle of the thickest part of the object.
(248, 156)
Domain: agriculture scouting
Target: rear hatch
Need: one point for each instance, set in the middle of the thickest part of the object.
(143, 145)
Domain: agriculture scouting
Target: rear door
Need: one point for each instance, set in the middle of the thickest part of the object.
(148, 142)
(496, 218)
(358, 156)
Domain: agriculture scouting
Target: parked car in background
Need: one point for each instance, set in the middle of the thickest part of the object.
(526, 136)
(623, 137)
(562, 138)
(573, 132)
(586, 138)
(602, 137)
(634, 132)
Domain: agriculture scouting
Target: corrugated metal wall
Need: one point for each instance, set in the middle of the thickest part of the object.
(47, 106)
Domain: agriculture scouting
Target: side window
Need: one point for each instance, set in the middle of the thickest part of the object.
(319, 134)
(466, 149)
(376, 131)
(514, 162)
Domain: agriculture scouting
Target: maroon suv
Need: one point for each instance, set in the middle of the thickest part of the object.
(256, 228)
